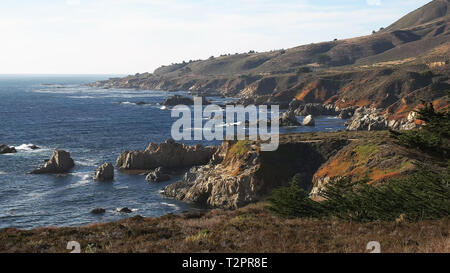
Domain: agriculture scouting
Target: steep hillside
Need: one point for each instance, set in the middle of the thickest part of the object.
(392, 69)
(432, 11)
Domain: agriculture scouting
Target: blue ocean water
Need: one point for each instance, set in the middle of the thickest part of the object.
(95, 126)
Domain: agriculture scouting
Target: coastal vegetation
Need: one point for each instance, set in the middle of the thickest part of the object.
(424, 194)
(250, 229)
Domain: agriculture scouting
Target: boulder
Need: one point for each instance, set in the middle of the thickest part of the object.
(170, 155)
(6, 149)
(60, 162)
(98, 211)
(104, 173)
(289, 119)
(309, 121)
(367, 119)
(158, 175)
(125, 210)
(346, 113)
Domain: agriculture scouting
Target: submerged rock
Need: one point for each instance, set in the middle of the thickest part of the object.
(309, 121)
(98, 211)
(158, 175)
(60, 162)
(169, 155)
(6, 149)
(104, 173)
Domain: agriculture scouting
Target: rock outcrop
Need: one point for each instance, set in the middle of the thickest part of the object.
(367, 119)
(158, 175)
(289, 119)
(60, 162)
(308, 121)
(375, 158)
(170, 155)
(177, 100)
(242, 174)
(315, 109)
(104, 173)
(372, 119)
(4, 149)
(180, 100)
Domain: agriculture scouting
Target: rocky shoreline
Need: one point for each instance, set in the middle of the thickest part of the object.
(240, 174)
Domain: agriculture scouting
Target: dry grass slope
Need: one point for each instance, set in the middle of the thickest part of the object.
(250, 229)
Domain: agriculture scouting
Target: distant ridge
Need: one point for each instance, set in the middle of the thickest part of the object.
(432, 11)
(392, 69)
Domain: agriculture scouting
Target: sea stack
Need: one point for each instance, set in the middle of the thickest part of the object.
(104, 173)
(60, 162)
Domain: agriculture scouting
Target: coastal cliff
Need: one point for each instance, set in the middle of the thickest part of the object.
(392, 70)
(240, 173)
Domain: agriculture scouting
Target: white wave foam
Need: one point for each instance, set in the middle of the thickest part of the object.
(163, 107)
(118, 210)
(128, 103)
(2, 173)
(86, 162)
(85, 179)
(82, 97)
(25, 147)
(170, 205)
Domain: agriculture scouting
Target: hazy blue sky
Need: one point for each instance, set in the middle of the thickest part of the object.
(129, 36)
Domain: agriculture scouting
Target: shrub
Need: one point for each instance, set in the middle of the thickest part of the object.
(434, 137)
(421, 196)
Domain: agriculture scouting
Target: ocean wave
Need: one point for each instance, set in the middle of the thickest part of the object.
(82, 97)
(25, 147)
(33, 196)
(86, 162)
(170, 205)
(127, 103)
(2, 173)
(85, 179)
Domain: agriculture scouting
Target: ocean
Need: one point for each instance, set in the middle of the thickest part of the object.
(95, 126)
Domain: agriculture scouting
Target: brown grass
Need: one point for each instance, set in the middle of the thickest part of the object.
(250, 229)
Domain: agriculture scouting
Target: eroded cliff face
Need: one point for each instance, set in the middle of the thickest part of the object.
(239, 173)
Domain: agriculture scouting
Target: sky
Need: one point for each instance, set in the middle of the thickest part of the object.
(131, 36)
